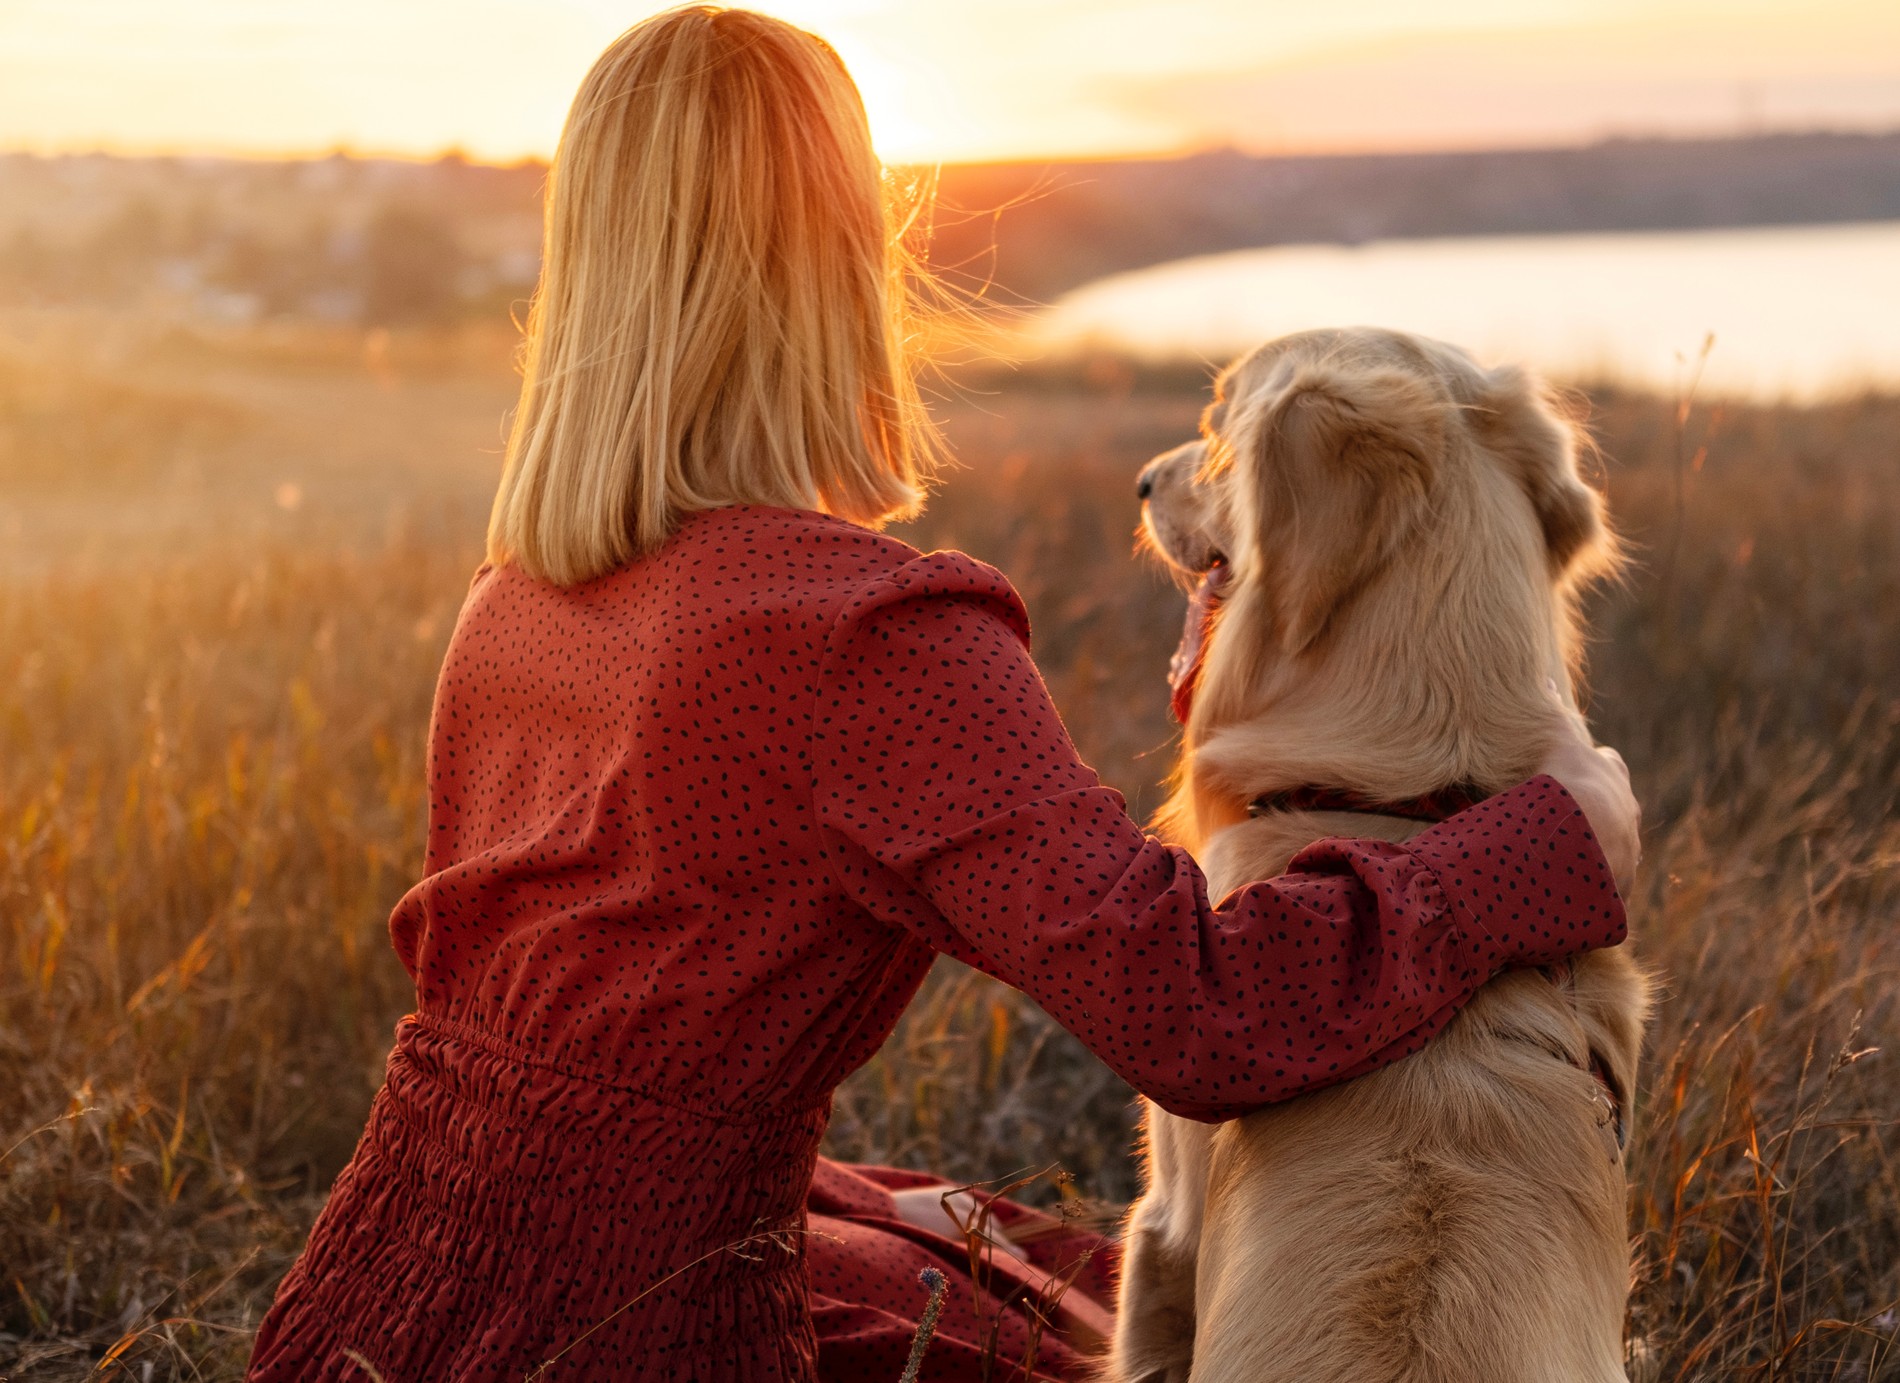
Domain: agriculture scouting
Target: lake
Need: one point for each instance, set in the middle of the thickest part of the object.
(1795, 311)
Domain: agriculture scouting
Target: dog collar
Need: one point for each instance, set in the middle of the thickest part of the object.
(1433, 806)
(1609, 1102)
(1613, 1112)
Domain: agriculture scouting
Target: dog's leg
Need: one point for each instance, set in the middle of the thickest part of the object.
(1154, 1319)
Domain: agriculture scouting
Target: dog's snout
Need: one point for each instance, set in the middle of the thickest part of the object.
(1145, 482)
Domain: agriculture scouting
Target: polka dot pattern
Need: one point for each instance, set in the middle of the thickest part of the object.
(864, 1269)
(696, 830)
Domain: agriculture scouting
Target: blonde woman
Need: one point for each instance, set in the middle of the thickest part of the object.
(715, 770)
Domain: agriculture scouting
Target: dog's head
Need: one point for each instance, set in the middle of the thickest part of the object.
(1374, 510)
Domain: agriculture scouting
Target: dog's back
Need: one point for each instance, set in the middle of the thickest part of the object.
(1409, 1226)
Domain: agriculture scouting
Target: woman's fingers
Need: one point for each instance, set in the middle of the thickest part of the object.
(1597, 777)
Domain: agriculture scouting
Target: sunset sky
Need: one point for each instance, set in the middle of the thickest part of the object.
(961, 79)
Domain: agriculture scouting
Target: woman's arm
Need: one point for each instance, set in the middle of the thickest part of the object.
(955, 806)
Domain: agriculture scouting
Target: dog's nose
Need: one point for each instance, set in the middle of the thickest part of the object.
(1144, 485)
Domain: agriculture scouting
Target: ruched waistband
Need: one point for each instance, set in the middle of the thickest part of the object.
(518, 1149)
(497, 1210)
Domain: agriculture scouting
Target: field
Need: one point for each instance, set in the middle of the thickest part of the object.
(228, 567)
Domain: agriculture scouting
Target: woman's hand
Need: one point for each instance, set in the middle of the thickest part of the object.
(1600, 781)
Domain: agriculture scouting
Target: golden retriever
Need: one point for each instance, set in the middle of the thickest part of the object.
(1389, 541)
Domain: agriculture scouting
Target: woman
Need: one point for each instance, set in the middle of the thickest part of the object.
(715, 771)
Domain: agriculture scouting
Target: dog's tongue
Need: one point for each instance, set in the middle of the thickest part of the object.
(1184, 669)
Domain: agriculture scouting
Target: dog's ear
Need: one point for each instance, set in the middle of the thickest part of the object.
(1339, 466)
(1517, 420)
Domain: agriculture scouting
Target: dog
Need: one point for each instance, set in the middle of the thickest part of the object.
(1389, 542)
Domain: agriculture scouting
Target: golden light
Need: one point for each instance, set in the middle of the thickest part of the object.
(973, 79)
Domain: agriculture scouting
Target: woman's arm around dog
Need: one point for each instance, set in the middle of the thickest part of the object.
(955, 807)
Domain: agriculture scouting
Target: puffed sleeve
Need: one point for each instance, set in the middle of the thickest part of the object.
(954, 805)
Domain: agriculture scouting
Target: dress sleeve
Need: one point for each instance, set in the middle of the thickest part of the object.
(954, 805)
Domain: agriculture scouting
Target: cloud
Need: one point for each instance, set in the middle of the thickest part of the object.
(1833, 68)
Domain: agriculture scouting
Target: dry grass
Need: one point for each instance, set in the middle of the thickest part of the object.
(209, 798)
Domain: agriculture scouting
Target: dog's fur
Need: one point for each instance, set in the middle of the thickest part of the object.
(1405, 534)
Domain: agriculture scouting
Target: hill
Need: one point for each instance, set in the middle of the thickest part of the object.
(1038, 229)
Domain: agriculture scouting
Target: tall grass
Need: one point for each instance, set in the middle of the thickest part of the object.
(210, 795)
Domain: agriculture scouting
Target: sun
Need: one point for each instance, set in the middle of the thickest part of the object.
(914, 118)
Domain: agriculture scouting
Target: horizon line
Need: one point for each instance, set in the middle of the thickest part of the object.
(347, 152)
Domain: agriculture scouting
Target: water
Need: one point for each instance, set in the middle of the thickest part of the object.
(1795, 311)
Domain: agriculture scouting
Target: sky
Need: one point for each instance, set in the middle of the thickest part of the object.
(961, 79)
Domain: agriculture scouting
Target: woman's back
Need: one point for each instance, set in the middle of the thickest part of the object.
(621, 790)
(638, 980)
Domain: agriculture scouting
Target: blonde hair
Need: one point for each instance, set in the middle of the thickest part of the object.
(722, 315)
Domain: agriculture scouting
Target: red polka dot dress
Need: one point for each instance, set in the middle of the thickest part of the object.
(696, 830)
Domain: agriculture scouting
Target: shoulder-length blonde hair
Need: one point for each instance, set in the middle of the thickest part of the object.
(722, 313)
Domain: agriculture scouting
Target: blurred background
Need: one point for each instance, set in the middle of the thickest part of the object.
(261, 265)
(1583, 183)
